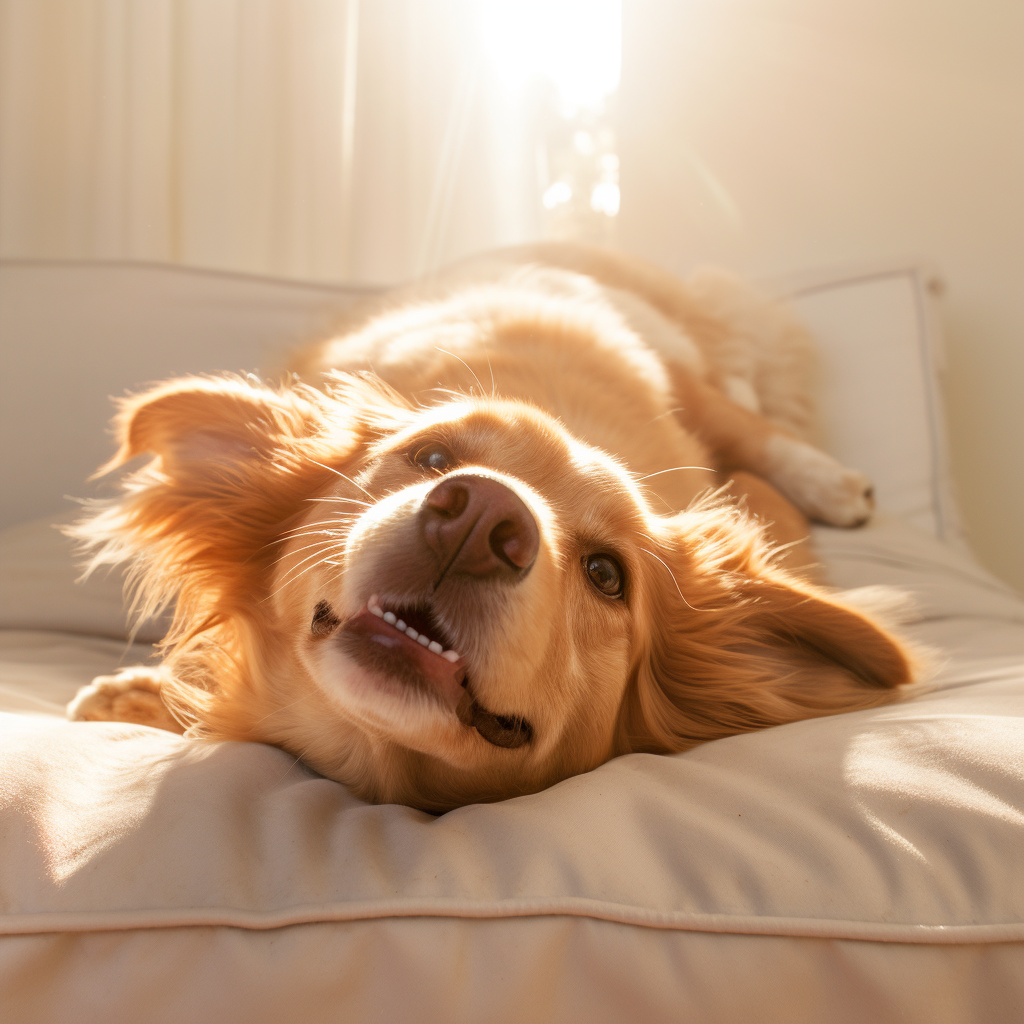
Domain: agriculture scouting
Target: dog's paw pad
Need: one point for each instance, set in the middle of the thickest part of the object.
(130, 696)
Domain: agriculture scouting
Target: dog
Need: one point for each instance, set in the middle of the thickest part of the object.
(545, 509)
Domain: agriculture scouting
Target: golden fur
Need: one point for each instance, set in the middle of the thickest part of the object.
(585, 393)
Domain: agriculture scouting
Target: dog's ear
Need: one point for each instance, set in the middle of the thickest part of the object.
(232, 462)
(736, 644)
(202, 425)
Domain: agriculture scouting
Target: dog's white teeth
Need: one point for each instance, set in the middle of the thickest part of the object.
(393, 620)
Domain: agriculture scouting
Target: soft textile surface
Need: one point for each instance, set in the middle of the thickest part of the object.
(866, 866)
(880, 401)
(42, 587)
(80, 333)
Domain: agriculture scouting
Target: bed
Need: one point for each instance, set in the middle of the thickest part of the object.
(865, 866)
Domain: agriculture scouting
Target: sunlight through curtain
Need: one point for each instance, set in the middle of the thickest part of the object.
(321, 139)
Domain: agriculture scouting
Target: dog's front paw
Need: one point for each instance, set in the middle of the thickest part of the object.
(133, 695)
(818, 485)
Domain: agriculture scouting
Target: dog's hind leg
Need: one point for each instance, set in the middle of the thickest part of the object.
(132, 695)
(740, 439)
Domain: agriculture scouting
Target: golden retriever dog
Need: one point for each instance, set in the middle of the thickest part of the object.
(546, 509)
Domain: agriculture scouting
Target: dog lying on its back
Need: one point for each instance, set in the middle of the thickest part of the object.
(545, 510)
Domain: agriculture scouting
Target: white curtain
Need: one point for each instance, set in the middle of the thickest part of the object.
(320, 139)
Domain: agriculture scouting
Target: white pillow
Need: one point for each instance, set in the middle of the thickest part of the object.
(864, 866)
(78, 333)
(41, 587)
(880, 399)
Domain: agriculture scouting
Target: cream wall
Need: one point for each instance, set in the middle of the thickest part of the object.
(777, 135)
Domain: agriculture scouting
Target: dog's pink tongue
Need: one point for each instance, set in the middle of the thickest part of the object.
(444, 675)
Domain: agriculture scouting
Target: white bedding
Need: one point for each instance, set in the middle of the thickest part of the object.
(817, 871)
(863, 867)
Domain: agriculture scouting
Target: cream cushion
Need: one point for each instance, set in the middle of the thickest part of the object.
(862, 867)
(880, 397)
(80, 333)
(866, 863)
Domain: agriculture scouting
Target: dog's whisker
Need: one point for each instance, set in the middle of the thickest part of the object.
(291, 576)
(294, 579)
(298, 757)
(352, 501)
(299, 534)
(338, 523)
(647, 476)
(674, 580)
(315, 533)
(336, 520)
(322, 552)
(490, 369)
(335, 517)
(467, 366)
(338, 472)
(326, 546)
(331, 549)
(461, 395)
(288, 554)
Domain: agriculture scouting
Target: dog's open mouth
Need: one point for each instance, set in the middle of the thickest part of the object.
(408, 644)
(418, 624)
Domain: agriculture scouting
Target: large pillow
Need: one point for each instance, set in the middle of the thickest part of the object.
(76, 334)
(860, 867)
(42, 587)
(880, 401)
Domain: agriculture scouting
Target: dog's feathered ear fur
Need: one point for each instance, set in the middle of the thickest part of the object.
(198, 424)
(233, 462)
(737, 644)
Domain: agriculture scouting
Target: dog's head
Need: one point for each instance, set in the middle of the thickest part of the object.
(459, 603)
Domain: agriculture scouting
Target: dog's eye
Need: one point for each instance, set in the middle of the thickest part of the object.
(605, 574)
(501, 730)
(435, 457)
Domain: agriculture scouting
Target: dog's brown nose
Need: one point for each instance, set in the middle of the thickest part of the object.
(479, 527)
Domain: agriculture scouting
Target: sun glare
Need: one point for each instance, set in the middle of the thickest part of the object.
(573, 44)
(559, 62)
